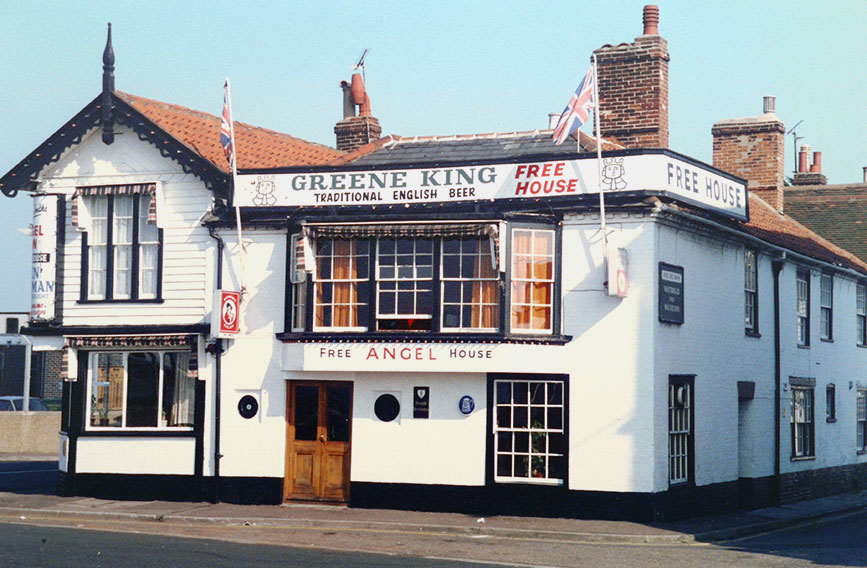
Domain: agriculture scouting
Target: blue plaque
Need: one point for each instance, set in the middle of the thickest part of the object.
(467, 404)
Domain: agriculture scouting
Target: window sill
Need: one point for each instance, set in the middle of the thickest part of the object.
(861, 452)
(826, 340)
(803, 458)
(861, 345)
(830, 420)
(755, 334)
(802, 346)
(421, 337)
(122, 433)
(529, 481)
(136, 301)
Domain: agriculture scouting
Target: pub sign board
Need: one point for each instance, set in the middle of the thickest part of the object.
(670, 293)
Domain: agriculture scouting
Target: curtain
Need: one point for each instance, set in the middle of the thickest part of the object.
(485, 299)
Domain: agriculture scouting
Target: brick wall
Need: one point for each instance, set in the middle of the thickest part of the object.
(752, 148)
(633, 92)
(356, 131)
(51, 387)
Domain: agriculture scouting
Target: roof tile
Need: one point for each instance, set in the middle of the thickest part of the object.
(256, 147)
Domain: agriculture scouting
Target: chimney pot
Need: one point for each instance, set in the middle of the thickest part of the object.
(553, 119)
(864, 169)
(770, 103)
(804, 159)
(651, 20)
(817, 163)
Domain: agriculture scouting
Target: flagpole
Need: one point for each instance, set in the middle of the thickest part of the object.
(599, 160)
(234, 168)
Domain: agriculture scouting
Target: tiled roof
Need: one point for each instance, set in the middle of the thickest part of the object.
(837, 212)
(782, 230)
(470, 147)
(256, 147)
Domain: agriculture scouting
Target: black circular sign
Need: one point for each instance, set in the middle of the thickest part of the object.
(386, 407)
(247, 406)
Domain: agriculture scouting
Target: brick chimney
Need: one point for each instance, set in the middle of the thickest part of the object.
(355, 131)
(809, 175)
(752, 148)
(633, 88)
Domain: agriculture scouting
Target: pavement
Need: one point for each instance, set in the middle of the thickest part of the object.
(716, 528)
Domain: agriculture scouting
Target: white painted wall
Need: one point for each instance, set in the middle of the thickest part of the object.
(186, 245)
(165, 456)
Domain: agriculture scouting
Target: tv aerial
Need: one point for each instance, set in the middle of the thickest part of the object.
(795, 138)
(360, 65)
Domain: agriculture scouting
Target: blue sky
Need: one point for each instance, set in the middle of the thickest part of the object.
(433, 67)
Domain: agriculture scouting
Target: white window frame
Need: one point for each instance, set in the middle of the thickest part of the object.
(298, 283)
(826, 302)
(861, 314)
(92, 370)
(416, 273)
(355, 281)
(803, 422)
(803, 307)
(101, 217)
(680, 431)
(485, 249)
(861, 421)
(531, 279)
(541, 431)
(751, 288)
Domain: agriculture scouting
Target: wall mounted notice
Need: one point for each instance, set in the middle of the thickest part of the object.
(43, 297)
(670, 293)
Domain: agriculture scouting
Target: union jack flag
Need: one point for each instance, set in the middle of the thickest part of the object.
(227, 134)
(577, 112)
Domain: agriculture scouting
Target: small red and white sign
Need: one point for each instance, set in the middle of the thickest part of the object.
(618, 279)
(225, 322)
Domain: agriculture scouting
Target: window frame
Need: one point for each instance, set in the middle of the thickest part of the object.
(861, 314)
(830, 402)
(554, 281)
(421, 285)
(493, 430)
(136, 244)
(826, 304)
(861, 420)
(802, 295)
(500, 250)
(90, 397)
(681, 441)
(751, 291)
(803, 430)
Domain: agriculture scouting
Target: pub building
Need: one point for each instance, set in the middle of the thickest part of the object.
(440, 323)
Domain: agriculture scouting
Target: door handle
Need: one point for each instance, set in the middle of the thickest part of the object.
(322, 438)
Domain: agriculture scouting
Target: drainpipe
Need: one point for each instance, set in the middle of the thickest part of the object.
(777, 269)
(218, 372)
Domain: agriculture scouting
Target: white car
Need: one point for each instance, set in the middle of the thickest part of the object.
(17, 403)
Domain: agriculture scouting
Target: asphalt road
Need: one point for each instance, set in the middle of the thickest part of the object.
(837, 542)
(45, 547)
(28, 476)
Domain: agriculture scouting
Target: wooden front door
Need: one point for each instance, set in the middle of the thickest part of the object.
(319, 419)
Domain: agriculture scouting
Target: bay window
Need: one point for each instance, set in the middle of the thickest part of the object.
(140, 389)
(424, 277)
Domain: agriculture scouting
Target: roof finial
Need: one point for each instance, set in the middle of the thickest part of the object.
(107, 90)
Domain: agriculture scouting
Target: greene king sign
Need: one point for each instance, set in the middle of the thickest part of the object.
(680, 179)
